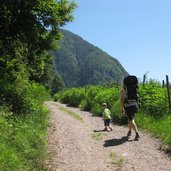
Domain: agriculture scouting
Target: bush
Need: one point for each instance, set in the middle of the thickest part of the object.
(117, 116)
(153, 100)
(72, 97)
(91, 93)
(56, 97)
(22, 142)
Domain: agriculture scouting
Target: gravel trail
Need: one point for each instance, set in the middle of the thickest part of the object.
(80, 145)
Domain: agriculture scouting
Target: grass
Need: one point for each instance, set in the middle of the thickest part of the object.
(22, 142)
(160, 128)
(97, 136)
(73, 114)
(116, 160)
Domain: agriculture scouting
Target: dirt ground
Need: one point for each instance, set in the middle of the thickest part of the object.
(77, 145)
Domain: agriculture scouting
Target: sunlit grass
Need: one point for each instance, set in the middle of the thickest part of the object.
(116, 160)
(97, 136)
(160, 128)
(22, 142)
(73, 114)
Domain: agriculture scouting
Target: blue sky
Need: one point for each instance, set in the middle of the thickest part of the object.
(136, 32)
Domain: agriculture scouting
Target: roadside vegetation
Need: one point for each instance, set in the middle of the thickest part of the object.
(153, 115)
(23, 136)
(117, 161)
(29, 30)
(73, 114)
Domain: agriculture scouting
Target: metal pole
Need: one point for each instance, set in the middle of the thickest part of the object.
(168, 91)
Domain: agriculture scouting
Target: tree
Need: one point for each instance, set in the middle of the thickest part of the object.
(57, 83)
(33, 28)
(28, 30)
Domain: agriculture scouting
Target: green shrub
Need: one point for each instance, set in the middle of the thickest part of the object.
(90, 94)
(56, 97)
(117, 116)
(76, 96)
(22, 142)
(73, 96)
(23, 135)
(106, 95)
(97, 110)
(84, 105)
(65, 97)
(153, 100)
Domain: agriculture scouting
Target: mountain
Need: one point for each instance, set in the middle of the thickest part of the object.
(81, 63)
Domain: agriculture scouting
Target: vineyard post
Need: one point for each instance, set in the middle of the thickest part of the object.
(168, 91)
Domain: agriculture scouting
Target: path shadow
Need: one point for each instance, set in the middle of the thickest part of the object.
(100, 130)
(115, 141)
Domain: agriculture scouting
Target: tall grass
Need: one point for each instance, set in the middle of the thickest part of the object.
(158, 127)
(22, 142)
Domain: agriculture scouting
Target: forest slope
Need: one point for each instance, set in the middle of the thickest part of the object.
(80, 63)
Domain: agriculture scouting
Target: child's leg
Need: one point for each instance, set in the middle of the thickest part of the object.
(110, 127)
(105, 124)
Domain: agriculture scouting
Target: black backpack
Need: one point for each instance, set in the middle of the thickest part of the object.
(131, 86)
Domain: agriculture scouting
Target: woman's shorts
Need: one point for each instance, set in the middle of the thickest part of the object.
(130, 112)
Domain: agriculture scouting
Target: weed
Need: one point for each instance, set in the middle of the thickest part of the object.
(97, 136)
(74, 115)
(116, 160)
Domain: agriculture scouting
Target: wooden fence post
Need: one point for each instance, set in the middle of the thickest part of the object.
(144, 79)
(163, 83)
(168, 91)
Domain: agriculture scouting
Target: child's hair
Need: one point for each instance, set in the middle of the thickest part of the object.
(104, 104)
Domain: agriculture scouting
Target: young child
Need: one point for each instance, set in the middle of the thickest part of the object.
(106, 116)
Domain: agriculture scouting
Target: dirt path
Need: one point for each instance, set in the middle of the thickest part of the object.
(76, 147)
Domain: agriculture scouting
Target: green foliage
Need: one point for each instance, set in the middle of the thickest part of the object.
(56, 97)
(23, 97)
(28, 31)
(57, 83)
(73, 96)
(116, 114)
(22, 142)
(153, 99)
(80, 63)
(91, 92)
(158, 127)
(90, 98)
(109, 96)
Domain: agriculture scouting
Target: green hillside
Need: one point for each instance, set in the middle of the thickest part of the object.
(80, 63)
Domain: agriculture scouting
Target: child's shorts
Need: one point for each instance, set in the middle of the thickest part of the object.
(107, 122)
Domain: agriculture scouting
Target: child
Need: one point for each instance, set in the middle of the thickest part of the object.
(106, 116)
